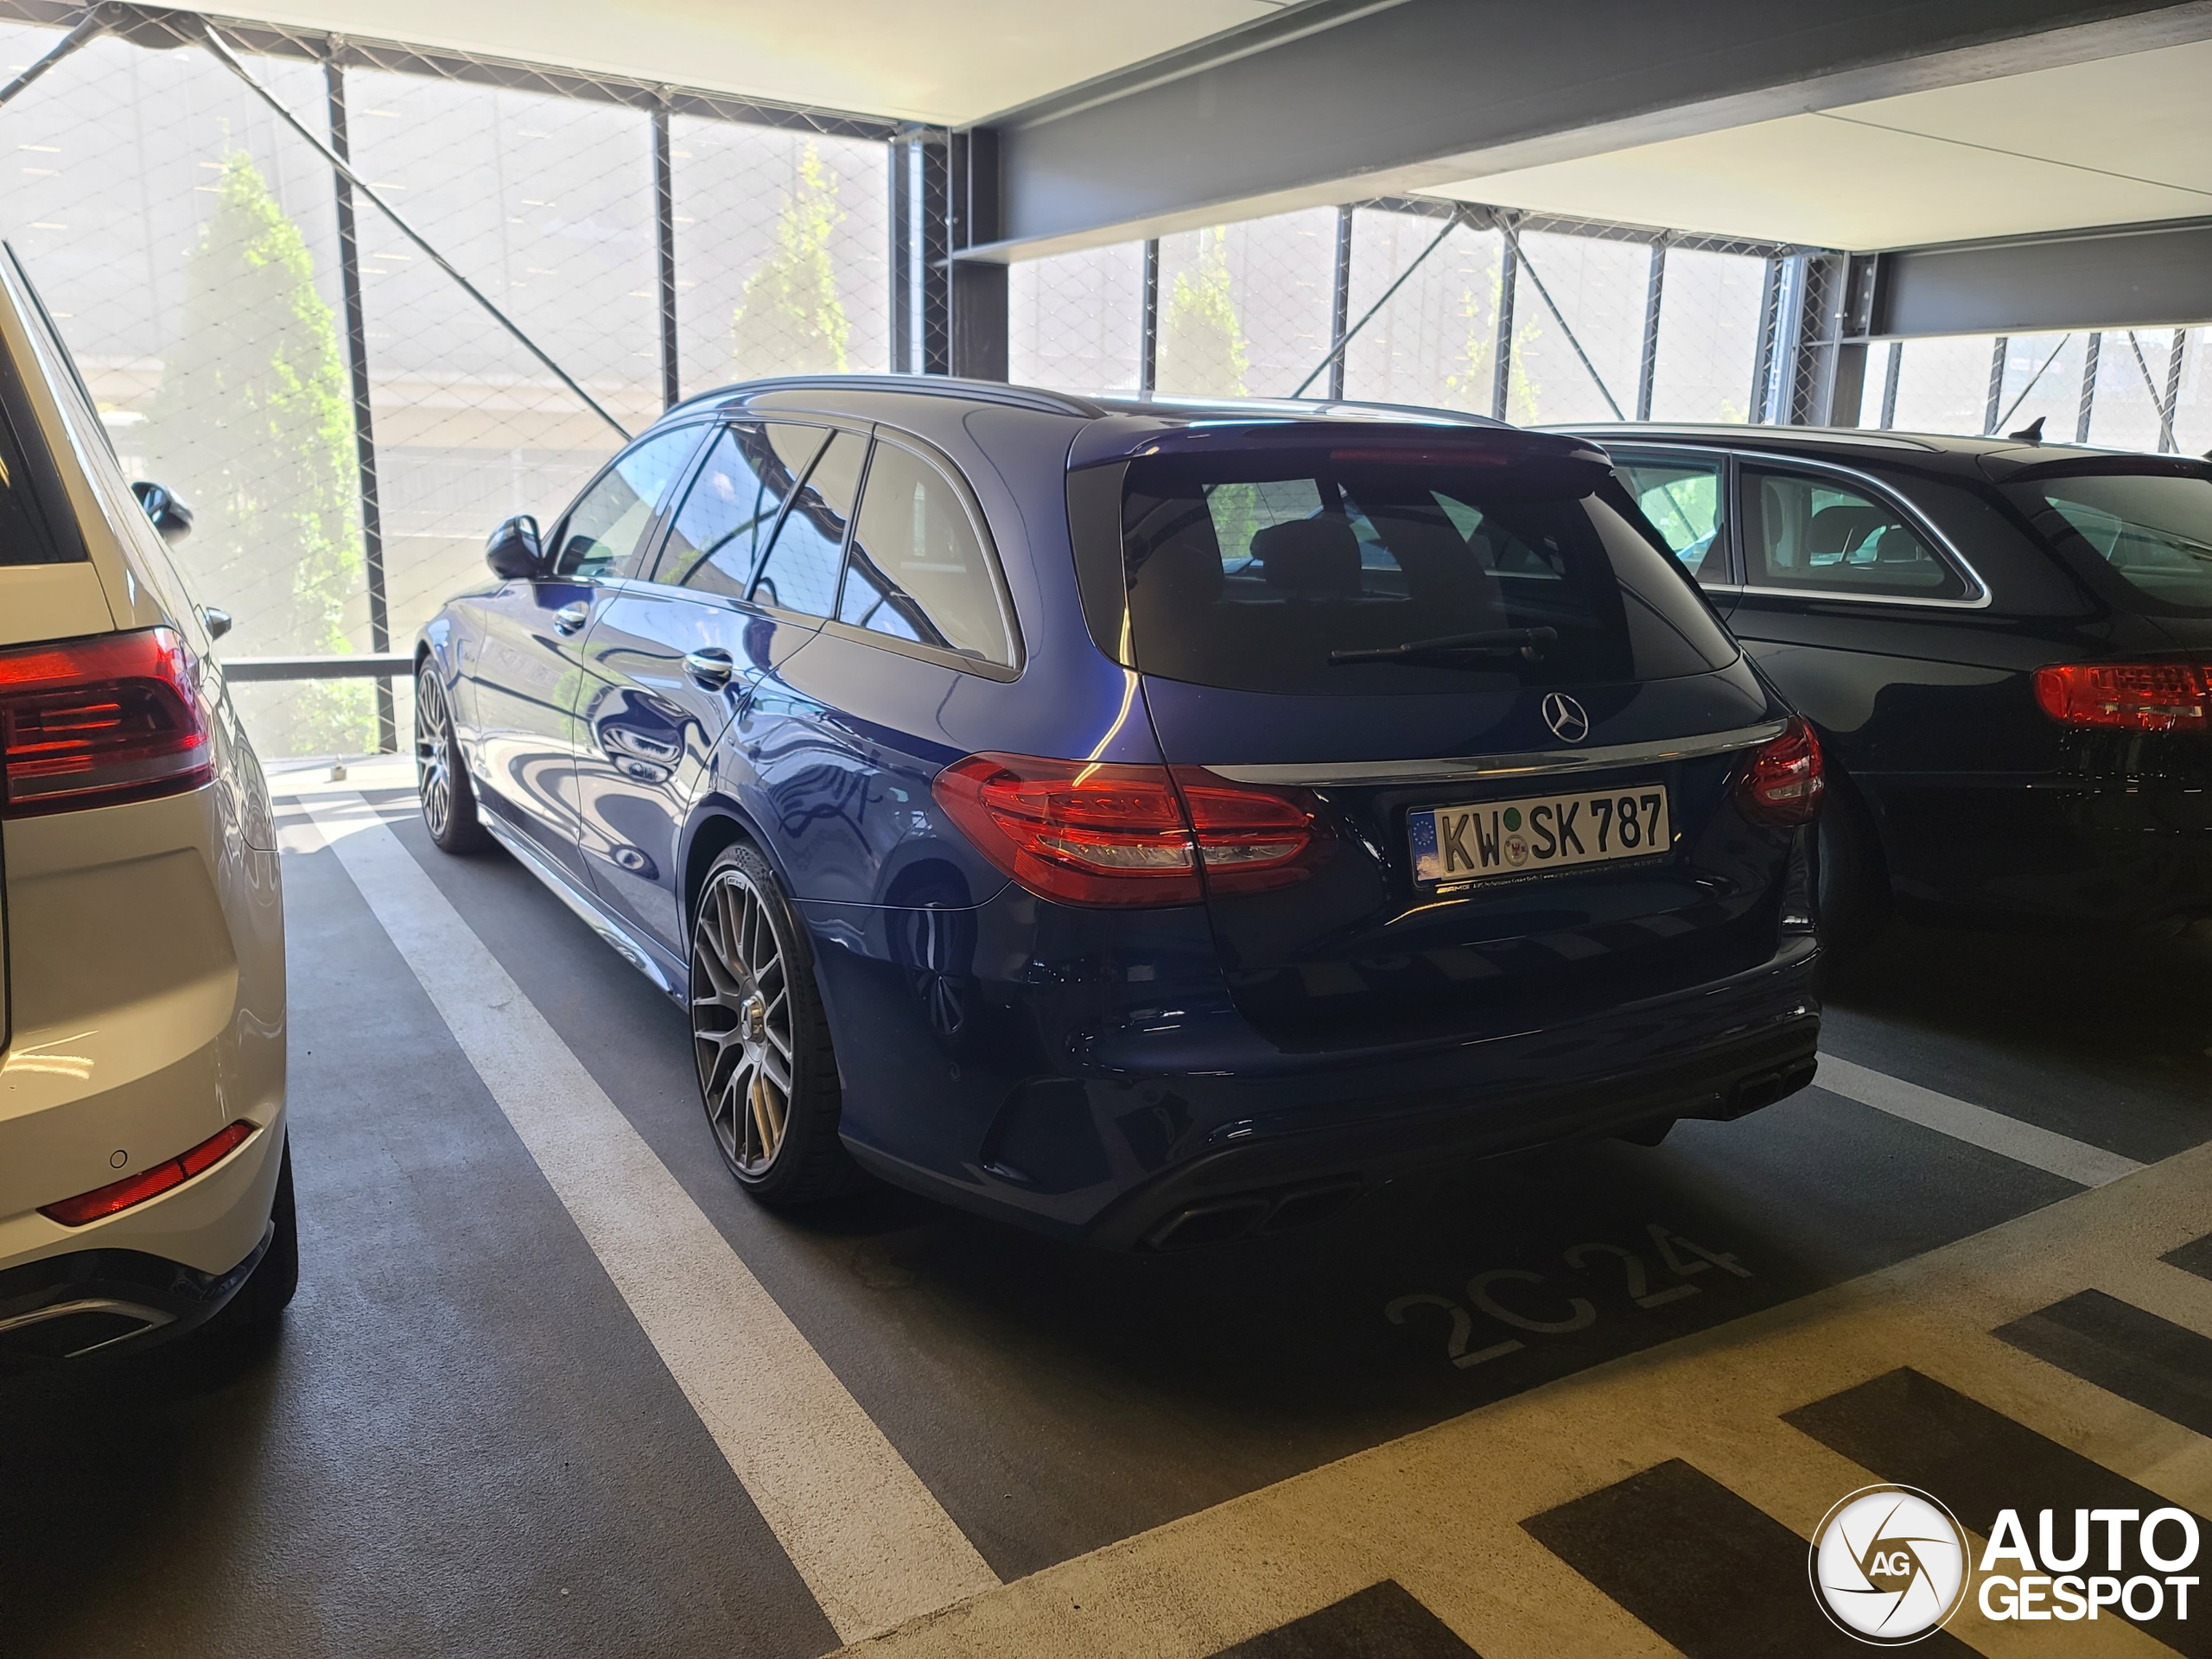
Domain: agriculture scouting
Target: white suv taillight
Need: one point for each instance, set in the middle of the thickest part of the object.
(92, 723)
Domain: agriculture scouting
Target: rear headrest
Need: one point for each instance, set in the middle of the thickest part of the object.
(1184, 566)
(1898, 545)
(1310, 556)
(1835, 528)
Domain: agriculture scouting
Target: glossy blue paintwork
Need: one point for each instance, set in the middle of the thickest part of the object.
(1080, 1069)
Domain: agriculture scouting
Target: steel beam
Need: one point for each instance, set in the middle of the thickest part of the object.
(1406, 94)
(2130, 277)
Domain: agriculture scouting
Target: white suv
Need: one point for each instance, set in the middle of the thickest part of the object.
(145, 1186)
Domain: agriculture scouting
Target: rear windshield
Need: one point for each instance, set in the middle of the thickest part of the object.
(1273, 572)
(2152, 532)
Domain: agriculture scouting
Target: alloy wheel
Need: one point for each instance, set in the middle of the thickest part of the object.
(742, 1021)
(433, 754)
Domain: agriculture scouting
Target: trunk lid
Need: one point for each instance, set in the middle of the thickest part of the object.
(1284, 604)
(1367, 952)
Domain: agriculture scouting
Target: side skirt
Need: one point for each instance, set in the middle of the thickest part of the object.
(667, 977)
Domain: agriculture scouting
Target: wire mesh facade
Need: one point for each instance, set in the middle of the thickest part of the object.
(2117, 388)
(1445, 305)
(1076, 321)
(644, 240)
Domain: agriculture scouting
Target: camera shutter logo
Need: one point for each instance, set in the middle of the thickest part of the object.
(1564, 716)
(1889, 1564)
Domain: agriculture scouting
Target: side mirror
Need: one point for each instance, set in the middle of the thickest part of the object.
(170, 515)
(513, 552)
(215, 619)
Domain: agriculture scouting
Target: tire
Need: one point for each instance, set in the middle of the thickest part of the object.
(756, 1013)
(1852, 881)
(440, 781)
(260, 1302)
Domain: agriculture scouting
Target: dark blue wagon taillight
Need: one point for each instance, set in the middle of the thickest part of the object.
(1090, 833)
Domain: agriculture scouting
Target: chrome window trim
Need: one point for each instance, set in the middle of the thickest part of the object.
(1979, 599)
(1825, 598)
(1479, 767)
(937, 460)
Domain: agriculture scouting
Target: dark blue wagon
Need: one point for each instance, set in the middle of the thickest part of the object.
(1151, 822)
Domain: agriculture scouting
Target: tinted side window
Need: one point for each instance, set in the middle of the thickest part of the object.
(23, 537)
(1815, 533)
(606, 529)
(1685, 502)
(918, 570)
(728, 514)
(801, 574)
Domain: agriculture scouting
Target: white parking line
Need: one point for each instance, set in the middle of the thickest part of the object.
(2008, 1137)
(871, 1543)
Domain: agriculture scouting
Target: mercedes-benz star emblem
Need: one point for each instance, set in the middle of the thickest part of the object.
(1564, 716)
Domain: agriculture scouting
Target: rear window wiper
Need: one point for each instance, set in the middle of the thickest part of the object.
(1492, 642)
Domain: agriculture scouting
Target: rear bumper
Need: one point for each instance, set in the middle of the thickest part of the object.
(2132, 853)
(1050, 1102)
(1272, 1183)
(94, 1302)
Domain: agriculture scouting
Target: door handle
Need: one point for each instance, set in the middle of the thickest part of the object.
(709, 669)
(569, 618)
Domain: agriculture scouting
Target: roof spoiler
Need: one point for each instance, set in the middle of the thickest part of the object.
(1135, 437)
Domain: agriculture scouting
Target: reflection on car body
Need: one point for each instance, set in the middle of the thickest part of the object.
(1024, 805)
(1931, 605)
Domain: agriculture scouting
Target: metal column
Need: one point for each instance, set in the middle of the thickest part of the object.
(1340, 302)
(2090, 353)
(1995, 400)
(1509, 273)
(664, 226)
(927, 256)
(364, 443)
(1769, 325)
(1148, 341)
(904, 255)
(977, 288)
(2167, 404)
(1890, 379)
(1648, 358)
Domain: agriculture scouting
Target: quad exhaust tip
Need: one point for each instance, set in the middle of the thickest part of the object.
(1218, 1221)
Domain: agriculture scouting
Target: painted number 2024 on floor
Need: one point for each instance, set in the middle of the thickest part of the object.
(1677, 1255)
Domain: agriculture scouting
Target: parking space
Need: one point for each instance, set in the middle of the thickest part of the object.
(554, 1384)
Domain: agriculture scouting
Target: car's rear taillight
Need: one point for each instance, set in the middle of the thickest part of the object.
(151, 1184)
(1783, 784)
(94, 721)
(1087, 833)
(2127, 697)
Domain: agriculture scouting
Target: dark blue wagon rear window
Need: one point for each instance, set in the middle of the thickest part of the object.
(1275, 572)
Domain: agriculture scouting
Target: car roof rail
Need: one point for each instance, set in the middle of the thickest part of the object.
(923, 385)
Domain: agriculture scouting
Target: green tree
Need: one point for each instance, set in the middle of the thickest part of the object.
(789, 320)
(1202, 349)
(253, 427)
(1476, 386)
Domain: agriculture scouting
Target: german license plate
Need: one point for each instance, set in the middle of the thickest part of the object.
(1537, 833)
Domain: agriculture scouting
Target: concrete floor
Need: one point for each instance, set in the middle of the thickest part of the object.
(469, 1437)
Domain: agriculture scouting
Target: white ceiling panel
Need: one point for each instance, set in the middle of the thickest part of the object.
(2104, 142)
(947, 61)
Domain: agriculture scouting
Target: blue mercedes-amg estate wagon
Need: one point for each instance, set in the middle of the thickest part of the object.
(1154, 823)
